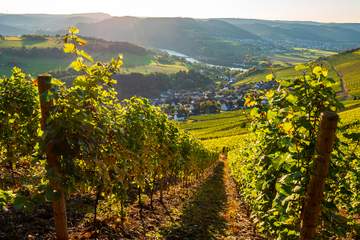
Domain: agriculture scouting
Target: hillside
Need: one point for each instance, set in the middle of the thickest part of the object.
(46, 23)
(346, 64)
(227, 41)
(230, 42)
(211, 41)
(335, 36)
(216, 131)
(37, 54)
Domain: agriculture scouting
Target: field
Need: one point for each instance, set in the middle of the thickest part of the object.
(229, 129)
(156, 67)
(32, 65)
(36, 63)
(350, 115)
(298, 55)
(220, 125)
(216, 131)
(19, 42)
(346, 64)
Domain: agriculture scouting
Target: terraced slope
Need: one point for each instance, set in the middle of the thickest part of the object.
(346, 65)
(226, 129)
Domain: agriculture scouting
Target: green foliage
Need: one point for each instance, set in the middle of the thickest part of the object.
(19, 137)
(344, 64)
(213, 126)
(104, 146)
(36, 57)
(274, 168)
(18, 113)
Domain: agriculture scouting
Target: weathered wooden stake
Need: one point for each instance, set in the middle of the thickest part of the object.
(58, 204)
(315, 191)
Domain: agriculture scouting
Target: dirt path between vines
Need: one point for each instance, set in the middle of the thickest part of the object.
(208, 208)
(215, 211)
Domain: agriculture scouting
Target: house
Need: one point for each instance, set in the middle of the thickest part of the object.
(179, 117)
(225, 107)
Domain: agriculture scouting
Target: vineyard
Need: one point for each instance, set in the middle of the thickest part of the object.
(343, 64)
(272, 161)
(81, 143)
(76, 162)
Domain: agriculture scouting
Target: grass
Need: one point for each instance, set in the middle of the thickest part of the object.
(350, 115)
(33, 65)
(216, 131)
(216, 125)
(36, 65)
(18, 42)
(156, 67)
(228, 129)
(298, 55)
(130, 60)
(281, 73)
(348, 64)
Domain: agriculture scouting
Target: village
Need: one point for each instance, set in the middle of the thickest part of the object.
(179, 105)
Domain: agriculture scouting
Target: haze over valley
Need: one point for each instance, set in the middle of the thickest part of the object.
(170, 119)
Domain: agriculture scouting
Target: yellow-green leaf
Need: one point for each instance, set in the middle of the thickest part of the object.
(270, 94)
(288, 127)
(56, 82)
(85, 55)
(324, 72)
(317, 71)
(271, 115)
(73, 30)
(254, 112)
(69, 47)
(269, 77)
(292, 98)
(77, 64)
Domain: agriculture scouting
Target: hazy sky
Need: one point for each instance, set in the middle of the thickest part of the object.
(316, 10)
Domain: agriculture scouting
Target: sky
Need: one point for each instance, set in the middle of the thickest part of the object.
(306, 10)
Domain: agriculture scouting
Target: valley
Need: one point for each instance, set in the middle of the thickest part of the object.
(122, 127)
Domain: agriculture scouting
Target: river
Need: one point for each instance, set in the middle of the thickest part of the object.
(193, 60)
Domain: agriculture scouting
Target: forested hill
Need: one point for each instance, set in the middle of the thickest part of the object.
(18, 24)
(300, 31)
(165, 32)
(230, 42)
(212, 41)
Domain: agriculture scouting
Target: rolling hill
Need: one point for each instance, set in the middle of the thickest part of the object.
(46, 23)
(231, 42)
(42, 54)
(333, 36)
(212, 41)
(226, 41)
(345, 64)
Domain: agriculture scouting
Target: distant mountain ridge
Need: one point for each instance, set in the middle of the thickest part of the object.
(165, 32)
(47, 23)
(281, 30)
(225, 41)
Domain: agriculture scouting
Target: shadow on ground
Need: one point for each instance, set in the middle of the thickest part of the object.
(201, 218)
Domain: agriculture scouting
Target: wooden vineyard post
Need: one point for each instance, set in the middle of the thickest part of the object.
(58, 204)
(315, 191)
